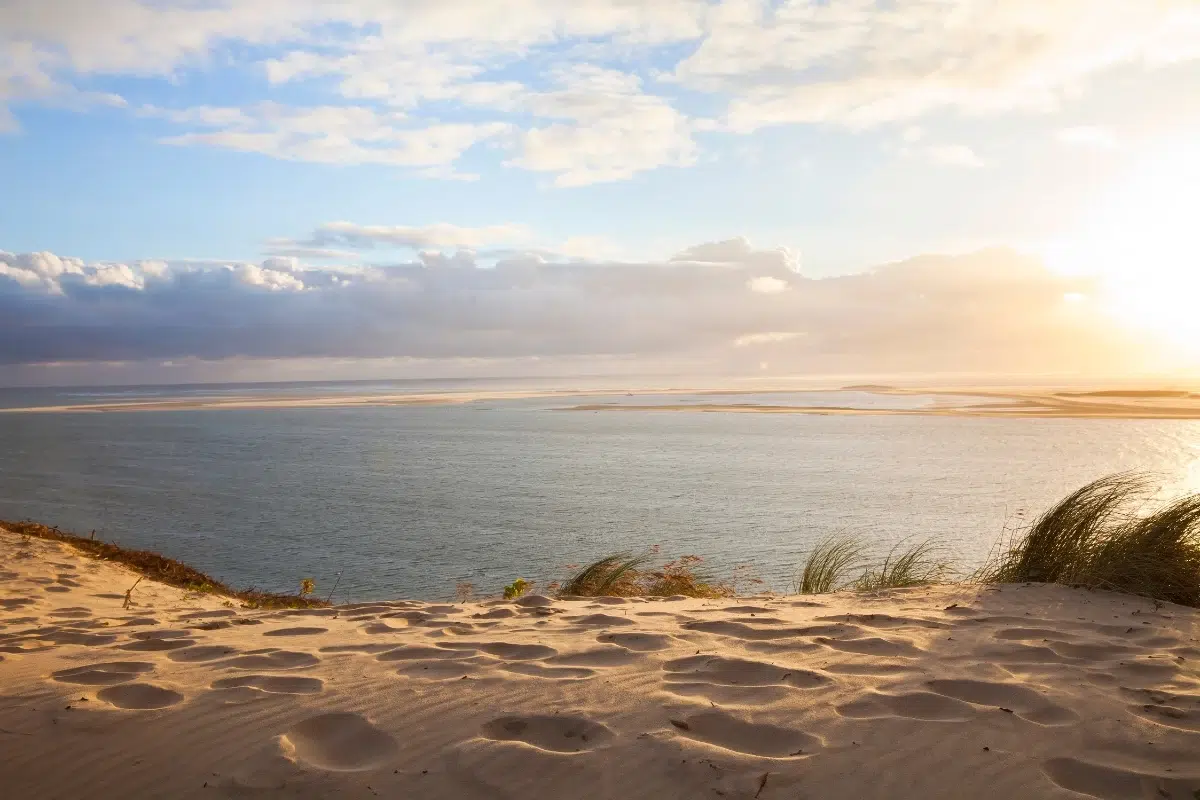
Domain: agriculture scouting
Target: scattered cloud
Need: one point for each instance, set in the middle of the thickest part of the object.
(440, 236)
(954, 155)
(765, 284)
(583, 91)
(862, 63)
(751, 339)
(611, 130)
(1088, 137)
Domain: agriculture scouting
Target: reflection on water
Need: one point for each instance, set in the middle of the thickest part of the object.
(411, 500)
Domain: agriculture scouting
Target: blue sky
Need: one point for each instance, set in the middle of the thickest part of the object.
(220, 135)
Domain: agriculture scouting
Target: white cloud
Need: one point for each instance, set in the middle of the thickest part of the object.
(417, 83)
(954, 155)
(612, 129)
(329, 134)
(773, 337)
(861, 62)
(765, 284)
(1088, 137)
(440, 235)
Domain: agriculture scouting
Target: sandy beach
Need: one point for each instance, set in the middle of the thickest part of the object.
(956, 691)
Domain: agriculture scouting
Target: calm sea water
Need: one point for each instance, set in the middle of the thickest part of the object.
(409, 501)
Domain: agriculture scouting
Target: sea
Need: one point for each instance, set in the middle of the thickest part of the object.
(409, 501)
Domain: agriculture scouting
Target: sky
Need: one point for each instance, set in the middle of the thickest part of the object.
(300, 189)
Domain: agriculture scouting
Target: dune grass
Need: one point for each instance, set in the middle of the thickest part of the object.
(919, 564)
(164, 570)
(627, 575)
(828, 566)
(1102, 536)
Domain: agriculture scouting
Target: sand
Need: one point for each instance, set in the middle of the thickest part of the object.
(946, 692)
(962, 401)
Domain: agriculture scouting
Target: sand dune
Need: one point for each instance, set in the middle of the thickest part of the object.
(948, 692)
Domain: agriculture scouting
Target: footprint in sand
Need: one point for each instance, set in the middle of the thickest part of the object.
(597, 657)
(76, 612)
(371, 649)
(208, 652)
(157, 645)
(296, 631)
(1111, 783)
(755, 739)
(914, 705)
(443, 670)
(10, 603)
(560, 733)
(339, 742)
(883, 621)
(219, 613)
(1023, 701)
(495, 613)
(1169, 709)
(57, 589)
(376, 628)
(1099, 651)
(600, 620)
(1027, 634)
(23, 648)
(541, 601)
(518, 652)
(279, 659)
(870, 668)
(417, 653)
(1156, 670)
(740, 630)
(80, 638)
(536, 670)
(740, 672)
(139, 696)
(273, 684)
(1017, 654)
(641, 642)
(874, 646)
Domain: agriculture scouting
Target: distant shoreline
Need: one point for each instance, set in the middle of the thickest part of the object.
(1100, 403)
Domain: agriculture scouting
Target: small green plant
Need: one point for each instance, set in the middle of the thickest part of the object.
(307, 587)
(828, 565)
(517, 588)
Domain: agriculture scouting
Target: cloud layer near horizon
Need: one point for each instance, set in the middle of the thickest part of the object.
(724, 303)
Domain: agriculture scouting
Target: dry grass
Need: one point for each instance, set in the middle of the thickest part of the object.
(828, 566)
(628, 575)
(162, 569)
(1101, 536)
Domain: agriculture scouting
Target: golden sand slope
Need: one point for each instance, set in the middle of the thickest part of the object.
(1020, 692)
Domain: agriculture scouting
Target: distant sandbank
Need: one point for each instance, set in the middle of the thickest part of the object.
(1100, 403)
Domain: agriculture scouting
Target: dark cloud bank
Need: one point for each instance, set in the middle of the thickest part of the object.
(724, 304)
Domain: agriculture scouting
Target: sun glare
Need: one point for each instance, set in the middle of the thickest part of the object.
(1142, 240)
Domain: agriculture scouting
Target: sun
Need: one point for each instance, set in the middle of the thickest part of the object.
(1142, 241)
